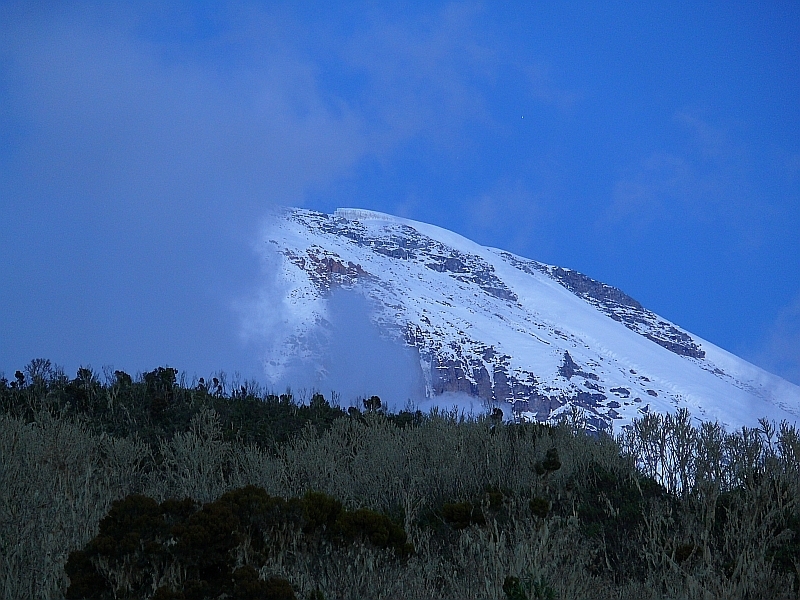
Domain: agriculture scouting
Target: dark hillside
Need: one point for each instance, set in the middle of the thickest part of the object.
(155, 488)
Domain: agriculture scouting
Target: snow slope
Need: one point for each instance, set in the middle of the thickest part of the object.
(533, 338)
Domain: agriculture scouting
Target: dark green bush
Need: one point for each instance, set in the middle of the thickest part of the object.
(685, 551)
(612, 510)
(406, 418)
(462, 514)
(376, 528)
(139, 537)
(540, 507)
(85, 580)
(158, 404)
(164, 593)
(527, 588)
(248, 586)
(130, 539)
(551, 462)
(372, 403)
(276, 588)
(204, 543)
(726, 518)
(320, 510)
(514, 588)
(786, 555)
(495, 498)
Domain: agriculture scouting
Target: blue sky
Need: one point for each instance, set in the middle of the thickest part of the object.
(655, 148)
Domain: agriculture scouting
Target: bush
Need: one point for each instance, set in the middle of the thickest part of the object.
(378, 529)
(320, 511)
(612, 510)
(528, 587)
(248, 586)
(139, 539)
(462, 514)
(551, 462)
(540, 507)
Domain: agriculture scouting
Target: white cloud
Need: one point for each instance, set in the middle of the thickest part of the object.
(662, 181)
(509, 211)
(781, 350)
(424, 74)
(108, 113)
(703, 180)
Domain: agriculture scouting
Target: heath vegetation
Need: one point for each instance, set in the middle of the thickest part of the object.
(157, 487)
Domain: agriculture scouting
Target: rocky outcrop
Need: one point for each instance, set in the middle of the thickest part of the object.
(408, 244)
(616, 304)
(570, 369)
(327, 270)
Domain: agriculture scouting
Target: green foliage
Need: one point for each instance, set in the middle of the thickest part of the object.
(527, 588)
(158, 404)
(320, 511)
(406, 418)
(85, 580)
(248, 586)
(495, 497)
(203, 542)
(462, 514)
(786, 554)
(551, 463)
(540, 507)
(140, 538)
(378, 529)
(551, 460)
(612, 510)
(514, 589)
(372, 403)
(685, 551)
(496, 416)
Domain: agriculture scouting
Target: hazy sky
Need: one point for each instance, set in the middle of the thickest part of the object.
(656, 149)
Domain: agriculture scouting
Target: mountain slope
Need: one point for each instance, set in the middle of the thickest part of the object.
(533, 338)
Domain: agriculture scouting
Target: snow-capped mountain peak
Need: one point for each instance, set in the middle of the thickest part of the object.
(532, 338)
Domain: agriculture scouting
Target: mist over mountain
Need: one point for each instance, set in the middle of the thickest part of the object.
(367, 303)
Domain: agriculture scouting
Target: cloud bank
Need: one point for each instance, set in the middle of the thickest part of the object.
(343, 355)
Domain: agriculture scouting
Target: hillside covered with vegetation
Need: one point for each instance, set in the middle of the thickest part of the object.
(157, 487)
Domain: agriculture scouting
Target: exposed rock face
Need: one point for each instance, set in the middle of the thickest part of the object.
(408, 244)
(617, 305)
(569, 369)
(326, 269)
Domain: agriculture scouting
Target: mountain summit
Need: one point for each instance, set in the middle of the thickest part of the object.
(532, 338)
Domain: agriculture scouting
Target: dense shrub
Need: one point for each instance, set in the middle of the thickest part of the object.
(462, 514)
(540, 507)
(191, 552)
(527, 588)
(612, 510)
(159, 403)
